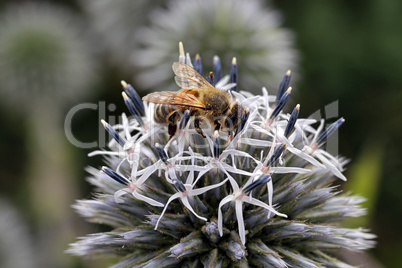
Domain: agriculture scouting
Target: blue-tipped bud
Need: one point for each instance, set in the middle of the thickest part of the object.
(217, 68)
(162, 154)
(233, 73)
(274, 158)
(292, 121)
(281, 104)
(260, 181)
(132, 93)
(329, 131)
(283, 86)
(178, 185)
(235, 250)
(133, 110)
(211, 231)
(113, 133)
(197, 63)
(115, 176)
(185, 118)
(216, 144)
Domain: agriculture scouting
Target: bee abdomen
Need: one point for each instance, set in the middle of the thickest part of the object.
(162, 112)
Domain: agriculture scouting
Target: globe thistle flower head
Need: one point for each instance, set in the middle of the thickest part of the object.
(249, 30)
(42, 55)
(251, 196)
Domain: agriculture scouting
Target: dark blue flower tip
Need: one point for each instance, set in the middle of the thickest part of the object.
(274, 158)
(113, 133)
(185, 118)
(216, 144)
(233, 73)
(133, 110)
(329, 131)
(132, 93)
(114, 175)
(217, 68)
(178, 185)
(281, 104)
(197, 63)
(260, 181)
(283, 86)
(292, 121)
(162, 154)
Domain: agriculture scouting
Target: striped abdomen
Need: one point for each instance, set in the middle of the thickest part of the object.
(162, 113)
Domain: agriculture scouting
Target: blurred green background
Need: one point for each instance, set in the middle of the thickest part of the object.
(349, 51)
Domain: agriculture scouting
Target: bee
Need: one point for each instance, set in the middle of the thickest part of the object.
(201, 99)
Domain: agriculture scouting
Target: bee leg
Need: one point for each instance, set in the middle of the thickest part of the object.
(172, 125)
(197, 126)
(217, 126)
(172, 128)
(230, 135)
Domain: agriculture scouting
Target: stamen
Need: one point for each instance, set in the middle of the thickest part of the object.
(197, 63)
(292, 121)
(329, 131)
(133, 110)
(216, 144)
(211, 78)
(116, 136)
(162, 154)
(184, 120)
(233, 73)
(115, 176)
(217, 68)
(132, 93)
(274, 158)
(178, 185)
(182, 57)
(283, 86)
(261, 181)
(282, 102)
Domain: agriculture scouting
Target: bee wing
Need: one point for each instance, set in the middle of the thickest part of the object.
(174, 98)
(188, 78)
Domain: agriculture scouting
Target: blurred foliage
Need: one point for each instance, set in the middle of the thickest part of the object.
(366, 174)
(350, 51)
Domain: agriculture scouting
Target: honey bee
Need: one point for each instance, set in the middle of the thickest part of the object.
(204, 102)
